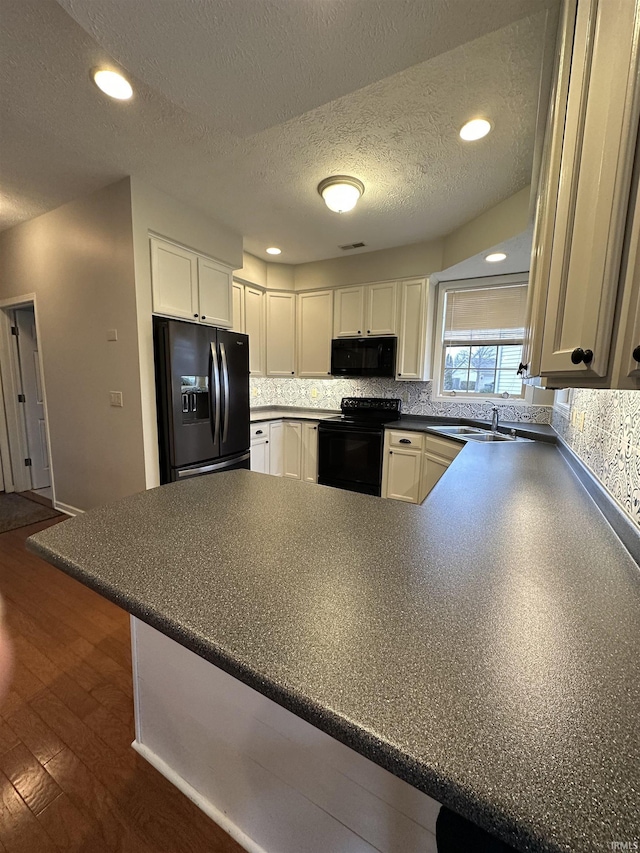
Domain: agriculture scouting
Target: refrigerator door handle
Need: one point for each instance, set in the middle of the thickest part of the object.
(216, 392)
(225, 380)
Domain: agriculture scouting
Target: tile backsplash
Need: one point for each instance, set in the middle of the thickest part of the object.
(605, 435)
(415, 396)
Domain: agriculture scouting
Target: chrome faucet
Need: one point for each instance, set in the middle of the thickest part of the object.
(495, 413)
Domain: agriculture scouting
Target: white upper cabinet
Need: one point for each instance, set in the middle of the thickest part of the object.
(238, 307)
(314, 322)
(174, 278)
(583, 203)
(215, 293)
(416, 319)
(627, 357)
(365, 310)
(381, 309)
(254, 326)
(190, 286)
(281, 320)
(348, 319)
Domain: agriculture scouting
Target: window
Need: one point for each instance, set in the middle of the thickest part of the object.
(482, 332)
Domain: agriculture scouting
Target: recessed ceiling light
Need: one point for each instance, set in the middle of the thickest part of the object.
(494, 257)
(273, 250)
(112, 84)
(475, 129)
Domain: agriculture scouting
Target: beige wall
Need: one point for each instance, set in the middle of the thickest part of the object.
(416, 259)
(155, 211)
(501, 222)
(78, 260)
(267, 274)
(253, 270)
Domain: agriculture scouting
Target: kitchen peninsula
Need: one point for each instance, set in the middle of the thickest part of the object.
(483, 647)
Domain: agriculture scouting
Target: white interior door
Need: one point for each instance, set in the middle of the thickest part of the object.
(33, 403)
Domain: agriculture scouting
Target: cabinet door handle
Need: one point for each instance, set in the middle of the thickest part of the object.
(195, 315)
(203, 317)
(579, 354)
(258, 432)
(636, 354)
(359, 332)
(405, 441)
(368, 331)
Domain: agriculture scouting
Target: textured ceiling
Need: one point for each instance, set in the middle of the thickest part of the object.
(242, 106)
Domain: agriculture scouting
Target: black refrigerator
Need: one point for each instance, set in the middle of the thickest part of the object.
(202, 394)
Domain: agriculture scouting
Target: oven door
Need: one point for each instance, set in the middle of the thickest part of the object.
(350, 457)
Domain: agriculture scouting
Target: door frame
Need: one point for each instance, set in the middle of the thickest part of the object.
(15, 426)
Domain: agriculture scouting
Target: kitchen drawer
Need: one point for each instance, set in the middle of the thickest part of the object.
(260, 429)
(402, 438)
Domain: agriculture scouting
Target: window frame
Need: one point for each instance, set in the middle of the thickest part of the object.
(444, 287)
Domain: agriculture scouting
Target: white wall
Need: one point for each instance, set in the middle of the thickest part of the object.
(153, 210)
(78, 260)
(501, 222)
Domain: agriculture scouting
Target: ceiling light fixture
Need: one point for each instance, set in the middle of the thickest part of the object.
(112, 84)
(273, 250)
(475, 129)
(494, 257)
(340, 192)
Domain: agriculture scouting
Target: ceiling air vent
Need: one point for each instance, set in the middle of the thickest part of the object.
(352, 246)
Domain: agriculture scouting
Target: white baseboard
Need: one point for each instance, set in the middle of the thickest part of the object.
(203, 804)
(67, 508)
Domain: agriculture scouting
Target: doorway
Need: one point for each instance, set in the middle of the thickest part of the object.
(25, 421)
(32, 399)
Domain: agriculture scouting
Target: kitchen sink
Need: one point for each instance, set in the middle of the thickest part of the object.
(477, 433)
(459, 430)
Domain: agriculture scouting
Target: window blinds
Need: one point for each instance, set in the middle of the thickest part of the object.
(485, 316)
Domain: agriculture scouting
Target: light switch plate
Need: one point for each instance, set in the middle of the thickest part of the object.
(115, 398)
(112, 334)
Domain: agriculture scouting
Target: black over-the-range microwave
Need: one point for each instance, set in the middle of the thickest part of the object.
(364, 356)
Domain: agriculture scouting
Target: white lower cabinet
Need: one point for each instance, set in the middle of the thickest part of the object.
(439, 453)
(285, 449)
(260, 448)
(310, 452)
(260, 455)
(413, 463)
(292, 450)
(276, 440)
(402, 465)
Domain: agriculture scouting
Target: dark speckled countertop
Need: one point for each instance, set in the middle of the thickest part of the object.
(484, 646)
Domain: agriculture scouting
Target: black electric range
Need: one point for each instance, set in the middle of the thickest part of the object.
(350, 445)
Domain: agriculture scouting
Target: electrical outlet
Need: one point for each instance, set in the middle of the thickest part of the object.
(115, 398)
(404, 396)
(580, 421)
(314, 392)
(254, 391)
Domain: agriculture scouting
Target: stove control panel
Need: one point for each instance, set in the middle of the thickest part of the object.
(370, 404)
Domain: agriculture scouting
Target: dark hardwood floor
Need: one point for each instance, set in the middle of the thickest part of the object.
(69, 779)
